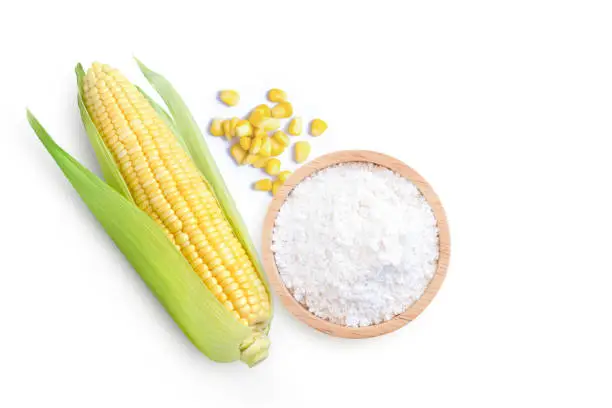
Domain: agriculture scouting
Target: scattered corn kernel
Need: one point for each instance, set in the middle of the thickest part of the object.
(249, 158)
(295, 126)
(301, 150)
(255, 145)
(227, 131)
(269, 124)
(244, 128)
(260, 162)
(276, 186)
(284, 175)
(317, 127)
(264, 109)
(245, 142)
(277, 95)
(257, 118)
(233, 123)
(263, 185)
(273, 167)
(229, 97)
(259, 132)
(277, 148)
(281, 137)
(266, 147)
(238, 153)
(282, 110)
(215, 127)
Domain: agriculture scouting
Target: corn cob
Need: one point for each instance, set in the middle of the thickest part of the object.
(147, 162)
(166, 185)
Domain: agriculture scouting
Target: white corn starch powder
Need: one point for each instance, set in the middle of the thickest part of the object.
(356, 244)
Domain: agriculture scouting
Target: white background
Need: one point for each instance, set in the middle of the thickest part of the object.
(504, 106)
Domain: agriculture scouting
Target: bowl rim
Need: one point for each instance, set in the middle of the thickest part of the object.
(296, 308)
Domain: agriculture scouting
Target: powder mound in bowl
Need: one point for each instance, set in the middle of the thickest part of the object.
(356, 244)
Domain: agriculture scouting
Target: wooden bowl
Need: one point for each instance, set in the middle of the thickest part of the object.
(300, 311)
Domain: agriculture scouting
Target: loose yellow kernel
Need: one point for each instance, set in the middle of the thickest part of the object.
(263, 185)
(215, 127)
(317, 127)
(295, 126)
(284, 175)
(282, 110)
(260, 162)
(269, 124)
(281, 137)
(227, 129)
(264, 109)
(249, 158)
(273, 167)
(266, 147)
(244, 128)
(245, 142)
(259, 132)
(257, 118)
(233, 123)
(301, 150)
(229, 97)
(238, 153)
(255, 145)
(277, 95)
(277, 148)
(276, 186)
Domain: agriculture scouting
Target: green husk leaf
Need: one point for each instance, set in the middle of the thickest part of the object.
(189, 131)
(210, 326)
(111, 173)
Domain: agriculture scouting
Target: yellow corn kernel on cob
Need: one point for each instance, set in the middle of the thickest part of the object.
(277, 95)
(229, 97)
(295, 126)
(301, 150)
(165, 184)
(317, 127)
(282, 110)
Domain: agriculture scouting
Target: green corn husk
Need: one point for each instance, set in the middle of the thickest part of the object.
(205, 321)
